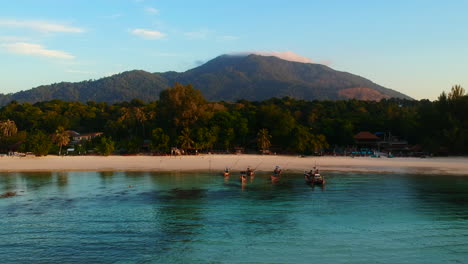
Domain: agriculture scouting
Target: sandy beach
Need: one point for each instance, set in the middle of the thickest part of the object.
(445, 165)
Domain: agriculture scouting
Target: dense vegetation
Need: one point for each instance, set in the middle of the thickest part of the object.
(183, 118)
(227, 78)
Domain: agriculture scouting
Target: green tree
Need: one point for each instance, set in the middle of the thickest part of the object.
(181, 105)
(8, 128)
(133, 117)
(105, 146)
(38, 143)
(279, 122)
(185, 140)
(318, 142)
(206, 137)
(61, 138)
(228, 136)
(300, 139)
(456, 92)
(263, 140)
(159, 140)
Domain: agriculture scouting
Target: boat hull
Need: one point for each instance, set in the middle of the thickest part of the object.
(315, 179)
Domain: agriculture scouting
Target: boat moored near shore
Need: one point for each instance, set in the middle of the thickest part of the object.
(314, 177)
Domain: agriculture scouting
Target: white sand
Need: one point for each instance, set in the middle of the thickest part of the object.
(456, 166)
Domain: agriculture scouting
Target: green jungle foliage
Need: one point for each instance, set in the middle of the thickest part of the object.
(182, 118)
(105, 146)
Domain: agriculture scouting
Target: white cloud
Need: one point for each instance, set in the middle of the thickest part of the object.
(152, 10)
(36, 50)
(11, 38)
(285, 55)
(38, 25)
(148, 34)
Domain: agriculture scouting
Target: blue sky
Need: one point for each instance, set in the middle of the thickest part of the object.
(419, 48)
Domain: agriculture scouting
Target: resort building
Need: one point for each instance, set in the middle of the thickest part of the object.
(366, 139)
(77, 137)
(381, 141)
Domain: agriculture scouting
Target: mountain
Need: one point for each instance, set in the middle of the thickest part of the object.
(256, 77)
(120, 87)
(227, 77)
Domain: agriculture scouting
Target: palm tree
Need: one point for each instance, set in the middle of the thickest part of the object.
(8, 128)
(263, 140)
(184, 139)
(318, 142)
(61, 137)
(133, 116)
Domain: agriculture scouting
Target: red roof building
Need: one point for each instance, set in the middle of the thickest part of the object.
(366, 136)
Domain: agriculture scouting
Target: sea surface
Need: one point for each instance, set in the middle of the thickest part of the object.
(142, 217)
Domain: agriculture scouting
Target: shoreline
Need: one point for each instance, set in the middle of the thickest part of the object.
(207, 162)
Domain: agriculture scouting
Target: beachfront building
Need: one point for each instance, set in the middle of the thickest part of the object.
(78, 138)
(381, 142)
(80, 143)
(87, 136)
(366, 139)
(392, 144)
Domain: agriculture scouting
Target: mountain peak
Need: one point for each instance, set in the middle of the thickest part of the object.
(228, 77)
(284, 55)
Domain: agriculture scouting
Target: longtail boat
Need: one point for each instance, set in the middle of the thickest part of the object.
(276, 174)
(313, 177)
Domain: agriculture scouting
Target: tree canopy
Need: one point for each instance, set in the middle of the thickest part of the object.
(182, 118)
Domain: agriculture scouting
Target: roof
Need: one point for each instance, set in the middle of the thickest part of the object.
(72, 133)
(366, 135)
(93, 134)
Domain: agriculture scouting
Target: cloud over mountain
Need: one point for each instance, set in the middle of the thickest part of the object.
(285, 55)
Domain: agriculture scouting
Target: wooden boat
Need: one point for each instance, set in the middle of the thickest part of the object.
(308, 178)
(275, 178)
(244, 174)
(314, 178)
(243, 179)
(276, 174)
(318, 179)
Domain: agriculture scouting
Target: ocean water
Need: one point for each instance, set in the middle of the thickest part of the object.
(142, 217)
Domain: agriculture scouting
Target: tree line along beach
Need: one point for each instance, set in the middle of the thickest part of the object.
(183, 120)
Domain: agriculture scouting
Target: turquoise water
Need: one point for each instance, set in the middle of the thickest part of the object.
(133, 217)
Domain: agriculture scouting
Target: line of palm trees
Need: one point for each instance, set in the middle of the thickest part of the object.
(8, 129)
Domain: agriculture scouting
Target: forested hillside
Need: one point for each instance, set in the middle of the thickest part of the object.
(225, 78)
